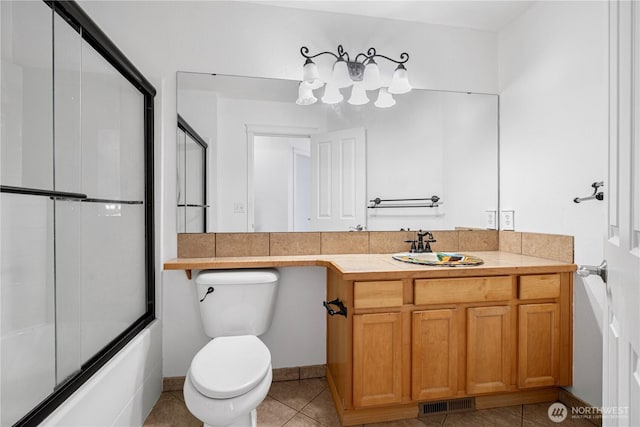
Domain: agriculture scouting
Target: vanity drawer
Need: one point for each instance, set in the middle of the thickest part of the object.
(539, 286)
(387, 293)
(468, 289)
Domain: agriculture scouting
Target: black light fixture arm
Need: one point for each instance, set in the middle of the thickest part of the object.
(371, 53)
(342, 55)
(304, 51)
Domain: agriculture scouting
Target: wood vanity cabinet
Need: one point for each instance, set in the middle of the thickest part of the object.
(428, 339)
(490, 339)
(539, 330)
(434, 354)
(377, 359)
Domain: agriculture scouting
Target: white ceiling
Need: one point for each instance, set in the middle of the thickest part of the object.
(488, 15)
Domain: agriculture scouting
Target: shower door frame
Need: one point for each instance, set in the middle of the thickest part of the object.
(185, 127)
(73, 14)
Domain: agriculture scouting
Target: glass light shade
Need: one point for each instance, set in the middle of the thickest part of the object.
(385, 100)
(358, 94)
(305, 95)
(340, 77)
(310, 71)
(400, 81)
(371, 78)
(332, 94)
(315, 84)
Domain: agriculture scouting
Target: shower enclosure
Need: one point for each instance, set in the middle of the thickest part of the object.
(76, 205)
(191, 151)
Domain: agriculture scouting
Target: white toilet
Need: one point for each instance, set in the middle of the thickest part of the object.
(231, 375)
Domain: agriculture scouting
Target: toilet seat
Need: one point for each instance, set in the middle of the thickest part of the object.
(230, 366)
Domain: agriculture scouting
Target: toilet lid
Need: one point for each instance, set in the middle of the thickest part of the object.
(230, 366)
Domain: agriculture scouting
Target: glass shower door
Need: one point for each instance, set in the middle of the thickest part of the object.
(27, 285)
(76, 253)
(112, 218)
(67, 80)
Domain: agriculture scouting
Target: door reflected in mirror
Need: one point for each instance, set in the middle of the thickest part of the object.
(282, 183)
(273, 165)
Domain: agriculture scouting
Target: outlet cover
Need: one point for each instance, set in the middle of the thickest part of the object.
(490, 220)
(507, 221)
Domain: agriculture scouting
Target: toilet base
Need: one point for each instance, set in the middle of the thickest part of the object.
(234, 412)
(251, 420)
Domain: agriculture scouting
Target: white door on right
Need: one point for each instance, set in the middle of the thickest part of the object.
(621, 357)
(338, 180)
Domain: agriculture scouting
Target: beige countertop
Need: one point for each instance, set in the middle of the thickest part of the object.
(382, 266)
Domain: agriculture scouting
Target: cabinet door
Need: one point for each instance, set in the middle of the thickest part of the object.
(434, 354)
(377, 357)
(539, 345)
(489, 346)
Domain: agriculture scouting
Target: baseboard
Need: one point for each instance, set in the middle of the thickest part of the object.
(578, 408)
(172, 383)
(279, 374)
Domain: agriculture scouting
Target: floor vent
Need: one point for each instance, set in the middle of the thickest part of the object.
(447, 406)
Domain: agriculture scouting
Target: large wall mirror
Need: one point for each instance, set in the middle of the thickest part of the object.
(428, 162)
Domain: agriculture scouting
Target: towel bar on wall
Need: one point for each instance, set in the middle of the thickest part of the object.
(598, 195)
(430, 202)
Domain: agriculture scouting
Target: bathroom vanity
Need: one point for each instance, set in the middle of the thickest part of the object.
(400, 334)
(500, 333)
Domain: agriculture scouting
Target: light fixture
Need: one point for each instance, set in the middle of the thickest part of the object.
(305, 94)
(358, 94)
(385, 99)
(332, 94)
(362, 73)
(400, 81)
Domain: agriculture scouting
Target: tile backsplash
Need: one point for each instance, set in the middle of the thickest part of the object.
(209, 245)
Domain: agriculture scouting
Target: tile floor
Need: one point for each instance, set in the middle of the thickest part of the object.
(304, 403)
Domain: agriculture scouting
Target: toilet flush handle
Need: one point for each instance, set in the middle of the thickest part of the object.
(209, 291)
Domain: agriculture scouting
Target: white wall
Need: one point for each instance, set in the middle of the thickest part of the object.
(554, 130)
(230, 38)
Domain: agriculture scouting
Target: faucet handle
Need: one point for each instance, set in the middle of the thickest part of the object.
(413, 245)
(427, 243)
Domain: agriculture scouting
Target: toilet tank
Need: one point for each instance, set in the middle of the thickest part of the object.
(237, 302)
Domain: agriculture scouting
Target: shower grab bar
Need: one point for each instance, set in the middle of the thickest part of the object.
(44, 193)
(378, 203)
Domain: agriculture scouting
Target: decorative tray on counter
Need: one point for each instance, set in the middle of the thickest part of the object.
(441, 259)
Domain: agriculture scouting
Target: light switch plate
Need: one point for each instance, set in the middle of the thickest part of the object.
(238, 207)
(507, 220)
